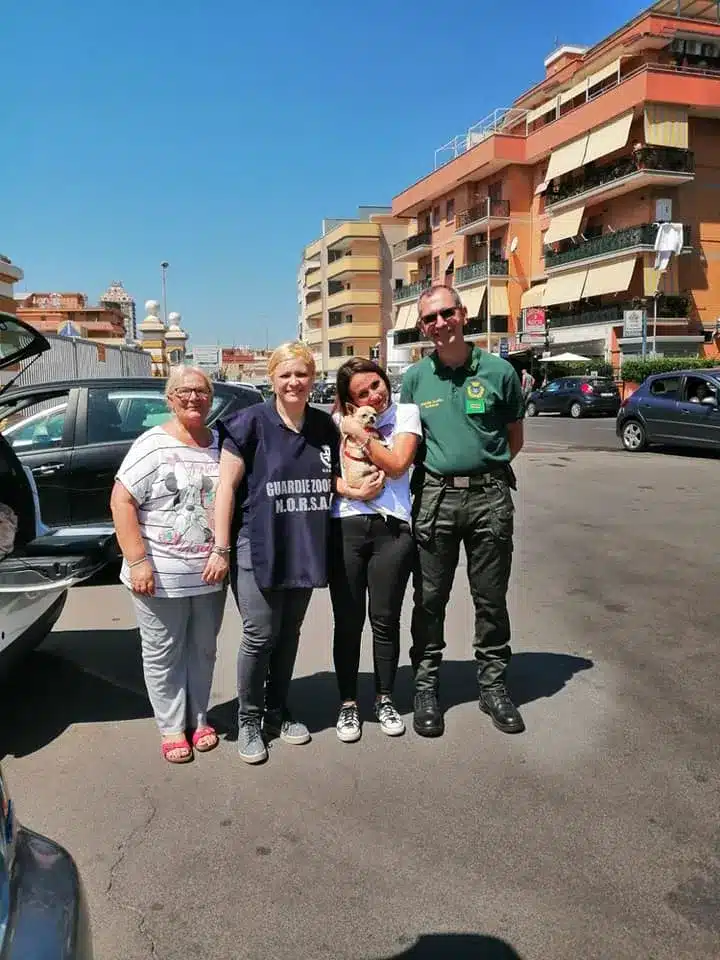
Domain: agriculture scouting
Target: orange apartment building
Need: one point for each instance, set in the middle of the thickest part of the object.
(569, 187)
(345, 287)
(52, 312)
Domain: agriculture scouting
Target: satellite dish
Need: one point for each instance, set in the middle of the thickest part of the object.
(513, 244)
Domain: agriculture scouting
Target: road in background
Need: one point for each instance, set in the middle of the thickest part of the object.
(596, 834)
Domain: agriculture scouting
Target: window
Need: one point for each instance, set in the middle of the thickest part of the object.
(698, 389)
(495, 191)
(667, 387)
(436, 216)
(450, 210)
(496, 248)
(335, 318)
(347, 318)
(436, 267)
(117, 415)
(350, 351)
(553, 387)
(39, 426)
(335, 349)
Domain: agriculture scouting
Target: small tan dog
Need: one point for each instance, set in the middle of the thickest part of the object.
(355, 463)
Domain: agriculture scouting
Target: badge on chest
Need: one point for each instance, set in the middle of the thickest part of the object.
(474, 397)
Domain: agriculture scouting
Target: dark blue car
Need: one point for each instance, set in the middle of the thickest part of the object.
(675, 409)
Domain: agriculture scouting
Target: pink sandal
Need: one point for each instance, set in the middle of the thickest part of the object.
(168, 746)
(203, 733)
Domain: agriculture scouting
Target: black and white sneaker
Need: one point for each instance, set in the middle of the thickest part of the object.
(348, 725)
(389, 719)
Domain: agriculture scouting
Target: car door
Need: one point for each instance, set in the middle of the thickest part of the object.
(547, 398)
(40, 428)
(699, 422)
(659, 409)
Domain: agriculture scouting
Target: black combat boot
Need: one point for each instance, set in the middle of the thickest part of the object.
(427, 717)
(496, 702)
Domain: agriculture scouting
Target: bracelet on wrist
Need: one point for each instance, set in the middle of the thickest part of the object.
(221, 551)
(136, 563)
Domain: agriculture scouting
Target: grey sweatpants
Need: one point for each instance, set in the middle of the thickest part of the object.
(179, 644)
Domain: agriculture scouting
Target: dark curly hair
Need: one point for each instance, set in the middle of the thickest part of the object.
(345, 374)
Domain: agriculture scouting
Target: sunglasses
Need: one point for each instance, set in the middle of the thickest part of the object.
(184, 393)
(431, 318)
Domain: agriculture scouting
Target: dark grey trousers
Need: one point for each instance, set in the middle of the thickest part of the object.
(481, 519)
(271, 632)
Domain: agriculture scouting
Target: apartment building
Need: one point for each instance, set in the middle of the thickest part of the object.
(345, 287)
(10, 274)
(545, 215)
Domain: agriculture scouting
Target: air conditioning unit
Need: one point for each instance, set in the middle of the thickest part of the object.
(693, 48)
(677, 46)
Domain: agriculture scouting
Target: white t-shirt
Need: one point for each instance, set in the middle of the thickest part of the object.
(394, 500)
(175, 486)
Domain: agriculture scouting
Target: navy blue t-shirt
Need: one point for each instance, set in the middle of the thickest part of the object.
(283, 504)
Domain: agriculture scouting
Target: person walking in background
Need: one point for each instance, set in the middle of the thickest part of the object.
(527, 383)
(278, 467)
(471, 408)
(162, 506)
(372, 548)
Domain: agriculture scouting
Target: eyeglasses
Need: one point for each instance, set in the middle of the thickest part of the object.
(432, 318)
(184, 393)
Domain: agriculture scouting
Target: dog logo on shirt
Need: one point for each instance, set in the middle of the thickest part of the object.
(326, 457)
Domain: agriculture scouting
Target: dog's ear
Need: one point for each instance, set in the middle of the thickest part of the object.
(351, 409)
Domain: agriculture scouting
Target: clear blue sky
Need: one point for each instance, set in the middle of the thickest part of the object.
(217, 134)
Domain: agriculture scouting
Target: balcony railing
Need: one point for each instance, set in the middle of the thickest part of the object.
(478, 271)
(411, 291)
(410, 243)
(668, 307)
(656, 159)
(642, 235)
(479, 212)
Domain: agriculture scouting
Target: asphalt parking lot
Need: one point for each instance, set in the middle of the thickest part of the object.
(596, 834)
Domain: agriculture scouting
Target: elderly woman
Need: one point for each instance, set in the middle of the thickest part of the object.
(278, 469)
(162, 504)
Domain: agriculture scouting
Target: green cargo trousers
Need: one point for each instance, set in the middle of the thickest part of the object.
(481, 518)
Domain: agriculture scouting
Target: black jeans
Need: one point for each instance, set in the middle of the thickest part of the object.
(369, 556)
(481, 518)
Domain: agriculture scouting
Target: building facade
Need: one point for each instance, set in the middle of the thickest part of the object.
(547, 216)
(10, 274)
(345, 287)
(70, 314)
(117, 297)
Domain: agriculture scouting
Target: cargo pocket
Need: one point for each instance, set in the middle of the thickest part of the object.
(425, 510)
(502, 510)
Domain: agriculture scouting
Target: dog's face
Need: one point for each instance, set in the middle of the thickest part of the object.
(365, 416)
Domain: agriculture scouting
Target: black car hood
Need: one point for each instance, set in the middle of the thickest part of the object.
(18, 341)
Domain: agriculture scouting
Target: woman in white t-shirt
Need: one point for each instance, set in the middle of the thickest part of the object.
(372, 547)
(163, 505)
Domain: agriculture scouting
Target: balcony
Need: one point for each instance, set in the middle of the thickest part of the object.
(313, 309)
(313, 279)
(476, 219)
(608, 246)
(348, 265)
(671, 309)
(410, 291)
(476, 272)
(313, 335)
(650, 166)
(354, 298)
(354, 330)
(412, 249)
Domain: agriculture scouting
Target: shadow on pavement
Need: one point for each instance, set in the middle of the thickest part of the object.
(533, 675)
(83, 676)
(457, 946)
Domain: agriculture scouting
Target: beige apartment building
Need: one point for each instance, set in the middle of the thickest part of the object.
(345, 287)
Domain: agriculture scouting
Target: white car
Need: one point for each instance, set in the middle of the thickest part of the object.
(37, 564)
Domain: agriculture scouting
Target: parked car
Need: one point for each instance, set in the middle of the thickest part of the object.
(673, 409)
(43, 910)
(73, 436)
(576, 397)
(37, 564)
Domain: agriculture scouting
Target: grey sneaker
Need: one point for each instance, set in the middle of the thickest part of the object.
(251, 746)
(389, 719)
(282, 725)
(348, 726)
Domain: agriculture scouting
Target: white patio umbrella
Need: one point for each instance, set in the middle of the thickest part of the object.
(565, 358)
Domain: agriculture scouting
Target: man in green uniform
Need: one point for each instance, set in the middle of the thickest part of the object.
(471, 407)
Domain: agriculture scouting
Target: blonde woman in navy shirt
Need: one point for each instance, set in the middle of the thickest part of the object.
(278, 470)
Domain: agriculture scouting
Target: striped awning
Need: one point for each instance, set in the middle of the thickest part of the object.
(472, 299)
(612, 277)
(499, 302)
(666, 125)
(533, 297)
(564, 225)
(565, 288)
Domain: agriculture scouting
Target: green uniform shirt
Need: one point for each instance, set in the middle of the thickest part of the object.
(464, 411)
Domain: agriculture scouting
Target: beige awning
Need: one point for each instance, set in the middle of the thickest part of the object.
(449, 262)
(612, 277)
(567, 158)
(499, 302)
(541, 188)
(666, 126)
(564, 225)
(608, 71)
(472, 299)
(540, 111)
(566, 288)
(406, 316)
(573, 92)
(533, 297)
(608, 138)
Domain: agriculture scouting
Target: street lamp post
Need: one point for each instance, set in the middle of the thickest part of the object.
(164, 265)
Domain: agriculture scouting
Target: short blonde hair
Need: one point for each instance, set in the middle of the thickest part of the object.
(178, 374)
(292, 350)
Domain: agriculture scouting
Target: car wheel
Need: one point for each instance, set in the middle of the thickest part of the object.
(576, 410)
(531, 409)
(634, 436)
